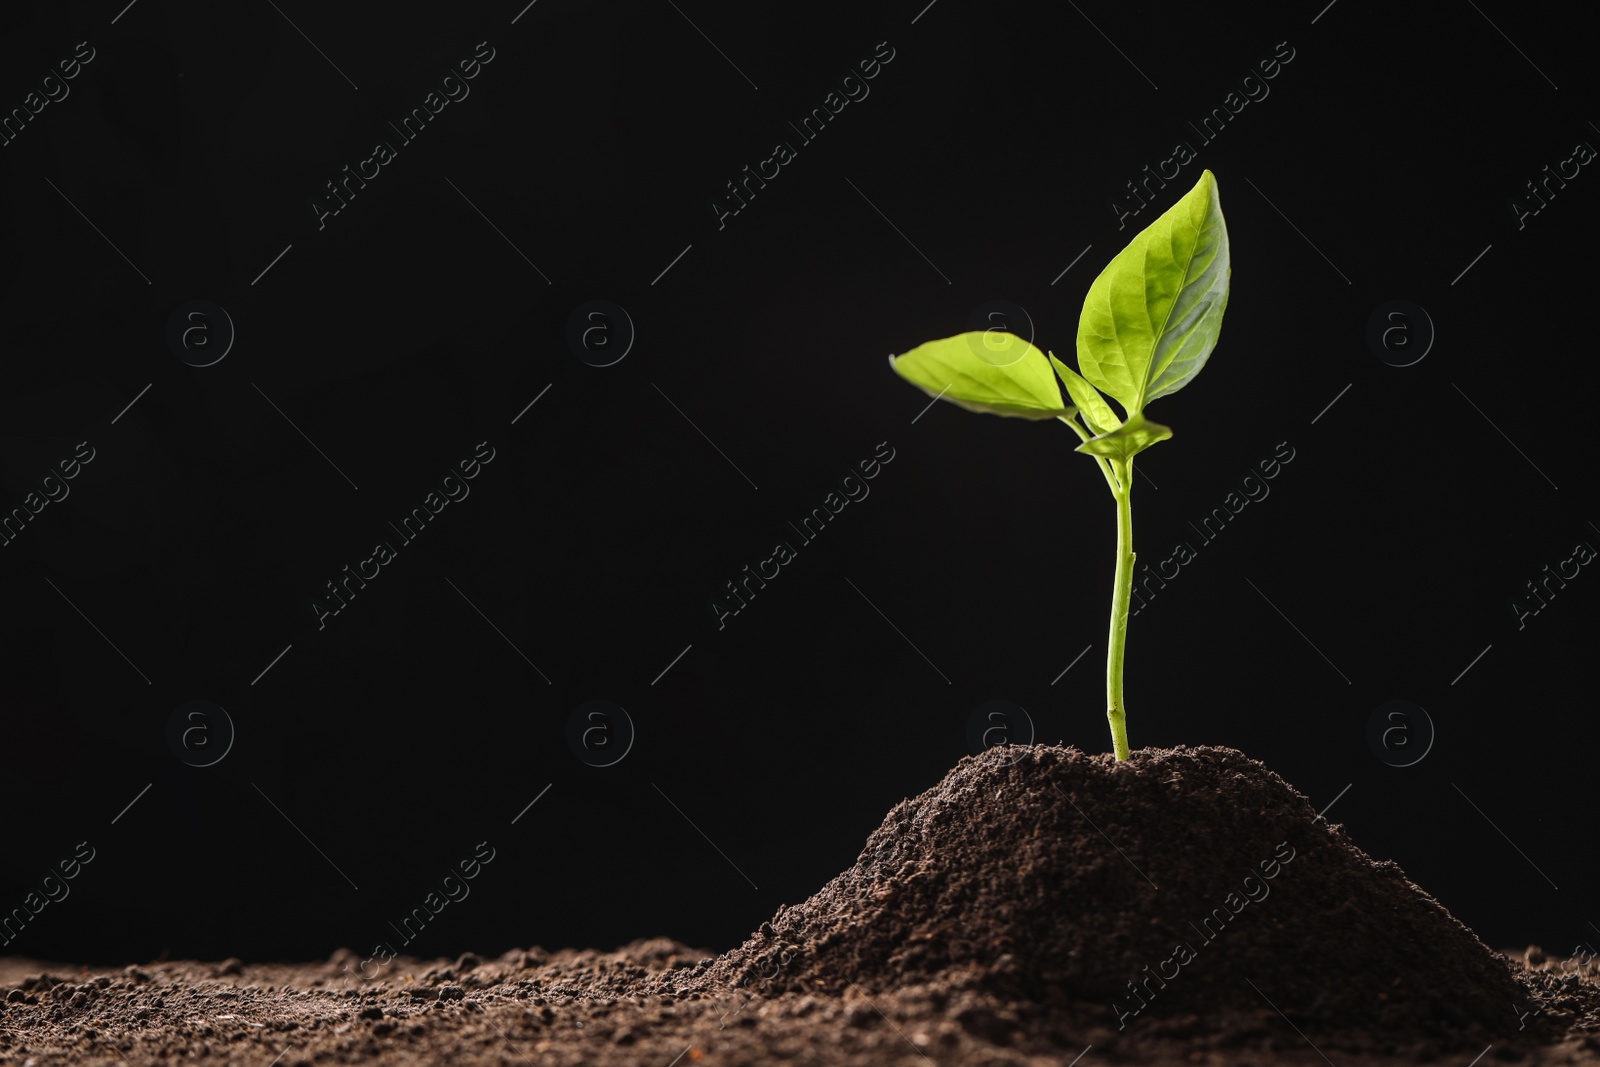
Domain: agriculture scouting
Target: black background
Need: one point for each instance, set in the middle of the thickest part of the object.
(381, 749)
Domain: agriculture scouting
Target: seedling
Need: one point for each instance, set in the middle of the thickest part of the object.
(1149, 323)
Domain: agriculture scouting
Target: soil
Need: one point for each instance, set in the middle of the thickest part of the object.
(1038, 906)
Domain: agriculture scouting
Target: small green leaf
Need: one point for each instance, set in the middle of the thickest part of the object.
(1152, 317)
(1096, 412)
(1127, 440)
(988, 371)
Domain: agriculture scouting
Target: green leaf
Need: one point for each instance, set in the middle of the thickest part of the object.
(1096, 412)
(988, 371)
(1152, 317)
(1127, 440)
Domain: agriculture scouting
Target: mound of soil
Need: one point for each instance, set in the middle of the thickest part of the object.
(1177, 886)
(1185, 907)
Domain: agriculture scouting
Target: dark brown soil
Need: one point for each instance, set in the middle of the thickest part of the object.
(1065, 878)
(1186, 906)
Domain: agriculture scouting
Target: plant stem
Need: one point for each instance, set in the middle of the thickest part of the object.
(1121, 597)
(1100, 461)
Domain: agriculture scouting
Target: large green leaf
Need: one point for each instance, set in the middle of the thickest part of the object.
(1129, 439)
(1096, 412)
(1152, 317)
(985, 370)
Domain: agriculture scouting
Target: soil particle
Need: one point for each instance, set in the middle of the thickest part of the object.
(1022, 913)
(1176, 889)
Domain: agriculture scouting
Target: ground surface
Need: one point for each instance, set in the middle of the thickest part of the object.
(1024, 911)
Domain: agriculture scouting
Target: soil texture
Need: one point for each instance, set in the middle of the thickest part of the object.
(1038, 906)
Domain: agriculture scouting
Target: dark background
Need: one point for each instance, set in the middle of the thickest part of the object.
(381, 749)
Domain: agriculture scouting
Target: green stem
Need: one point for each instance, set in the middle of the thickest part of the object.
(1121, 597)
(1099, 460)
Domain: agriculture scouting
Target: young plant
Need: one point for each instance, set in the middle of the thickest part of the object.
(1149, 323)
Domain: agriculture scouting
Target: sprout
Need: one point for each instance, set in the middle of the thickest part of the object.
(1148, 325)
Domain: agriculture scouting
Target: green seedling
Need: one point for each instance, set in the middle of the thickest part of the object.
(1149, 323)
